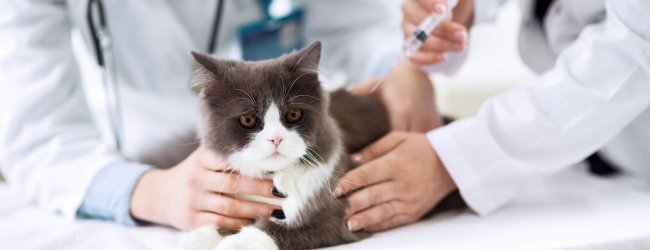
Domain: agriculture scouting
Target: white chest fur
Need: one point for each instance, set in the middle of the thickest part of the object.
(300, 183)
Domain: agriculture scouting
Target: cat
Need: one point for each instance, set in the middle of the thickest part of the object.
(272, 119)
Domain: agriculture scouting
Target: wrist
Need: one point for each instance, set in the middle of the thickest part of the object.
(408, 67)
(446, 183)
(145, 203)
(408, 73)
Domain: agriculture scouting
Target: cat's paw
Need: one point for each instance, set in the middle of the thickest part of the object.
(249, 238)
(202, 238)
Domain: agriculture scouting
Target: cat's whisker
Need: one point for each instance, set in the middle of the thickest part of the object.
(306, 105)
(237, 184)
(282, 81)
(294, 82)
(251, 99)
(298, 96)
(187, 143)
(241, 98)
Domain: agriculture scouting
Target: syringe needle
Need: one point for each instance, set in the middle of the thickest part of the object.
(414, 41)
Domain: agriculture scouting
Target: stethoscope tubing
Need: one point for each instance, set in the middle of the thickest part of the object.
(102, 45)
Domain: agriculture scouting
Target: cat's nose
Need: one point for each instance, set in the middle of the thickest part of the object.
(276, 141)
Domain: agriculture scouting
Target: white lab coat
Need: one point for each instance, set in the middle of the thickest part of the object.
(594, 96)
(52, 143)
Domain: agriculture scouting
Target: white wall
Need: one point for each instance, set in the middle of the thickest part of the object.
(493, 65)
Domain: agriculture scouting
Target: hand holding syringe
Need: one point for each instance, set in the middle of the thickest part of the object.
(417, 38)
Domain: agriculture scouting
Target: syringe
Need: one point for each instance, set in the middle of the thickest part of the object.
(414, 41)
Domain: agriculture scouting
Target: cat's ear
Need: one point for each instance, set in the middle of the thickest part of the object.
(206, 71)
(204, 60)
(306, 59)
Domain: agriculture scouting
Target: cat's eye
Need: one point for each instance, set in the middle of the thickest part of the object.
(248, 121)
(293, 115)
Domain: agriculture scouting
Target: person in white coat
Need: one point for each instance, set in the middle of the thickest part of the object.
(593, 95)
(83, 154)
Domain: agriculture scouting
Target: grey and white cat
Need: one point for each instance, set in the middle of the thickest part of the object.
(271, 119)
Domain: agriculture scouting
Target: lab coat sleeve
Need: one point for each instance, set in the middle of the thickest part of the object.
(600, 84)
(50, 148)
(109, 195)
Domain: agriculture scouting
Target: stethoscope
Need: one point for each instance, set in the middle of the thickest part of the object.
(103, 46)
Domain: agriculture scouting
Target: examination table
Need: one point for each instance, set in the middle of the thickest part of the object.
(572, 210)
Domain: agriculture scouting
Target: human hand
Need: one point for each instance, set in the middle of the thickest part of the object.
(449, 36)
(408, 95)
(400, 179)
(197, 192)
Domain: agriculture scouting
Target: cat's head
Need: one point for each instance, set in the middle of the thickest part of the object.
(264, 116)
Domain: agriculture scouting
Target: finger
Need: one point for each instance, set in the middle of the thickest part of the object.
(365, 175)
(428, 58)
(438, 6)
(363, 88)
(219, 221)
(440, 42)
(379, 148)
(372, 195)
(235, 184)
(452, 31)
(231, 207)
(414, 12)
(211, 160)
(376, 214)
(393, 222)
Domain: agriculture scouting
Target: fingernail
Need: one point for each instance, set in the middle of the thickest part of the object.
(357, 158)
(352, 225)
(440, 8)
(277, 193)
(460, 35)
(441, 57)
(457, 47)
(278, 214)
(338, 191)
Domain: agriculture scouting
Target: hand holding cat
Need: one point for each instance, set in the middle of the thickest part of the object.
(197, 192)
(449, 36)
(408, 95)
(400, 179)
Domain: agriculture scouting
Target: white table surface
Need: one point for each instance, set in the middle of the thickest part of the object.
(569, 211)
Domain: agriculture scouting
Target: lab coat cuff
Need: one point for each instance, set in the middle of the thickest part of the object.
(455, 162)
(109, 195)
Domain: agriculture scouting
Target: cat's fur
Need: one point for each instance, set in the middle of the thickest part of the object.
(316, 156)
